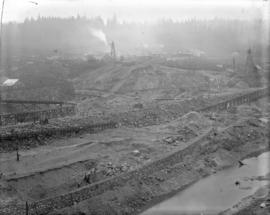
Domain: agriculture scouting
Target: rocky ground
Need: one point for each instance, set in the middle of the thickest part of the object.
(70, 163)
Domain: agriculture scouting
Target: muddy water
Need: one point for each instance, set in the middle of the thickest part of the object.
(219, 191)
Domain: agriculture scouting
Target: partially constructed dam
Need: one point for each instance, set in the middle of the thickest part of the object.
(166, 114)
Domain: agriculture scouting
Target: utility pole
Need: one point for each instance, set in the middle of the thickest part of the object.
(113, 52)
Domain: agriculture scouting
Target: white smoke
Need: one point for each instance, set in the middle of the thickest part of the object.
(99, 34)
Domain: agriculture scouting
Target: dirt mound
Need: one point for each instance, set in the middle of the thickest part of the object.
(125, 79)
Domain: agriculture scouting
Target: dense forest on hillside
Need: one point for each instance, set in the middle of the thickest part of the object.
(85, 35)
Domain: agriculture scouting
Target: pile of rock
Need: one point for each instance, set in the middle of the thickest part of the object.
(90, 176)
(110, 169)
(171, 140)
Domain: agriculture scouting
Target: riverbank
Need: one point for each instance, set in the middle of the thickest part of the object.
(255, 204)
(258, 206)
(219, 191)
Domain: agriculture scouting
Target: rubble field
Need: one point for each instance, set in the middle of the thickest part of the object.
(72, 163)
(219, 149)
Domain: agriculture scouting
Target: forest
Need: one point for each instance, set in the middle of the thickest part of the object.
(81, 35)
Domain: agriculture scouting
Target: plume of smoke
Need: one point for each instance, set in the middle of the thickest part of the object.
(99, 34)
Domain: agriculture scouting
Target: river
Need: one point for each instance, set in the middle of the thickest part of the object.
(217, 192)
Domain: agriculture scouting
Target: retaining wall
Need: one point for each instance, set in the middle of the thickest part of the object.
(46, 206)
(33, 116)
(246, 98)
(9, 141)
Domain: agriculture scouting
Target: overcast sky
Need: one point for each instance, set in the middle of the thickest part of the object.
(136, 10)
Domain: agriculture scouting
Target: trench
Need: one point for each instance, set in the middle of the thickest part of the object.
(217, 192)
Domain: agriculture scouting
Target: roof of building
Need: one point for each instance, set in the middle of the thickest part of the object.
(10, 82)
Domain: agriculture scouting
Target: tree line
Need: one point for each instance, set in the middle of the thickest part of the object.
(75, 35)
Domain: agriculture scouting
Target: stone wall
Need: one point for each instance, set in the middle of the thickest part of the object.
(9, 141)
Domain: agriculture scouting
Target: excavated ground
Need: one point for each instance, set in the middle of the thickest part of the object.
(140, 95)
(219, 150)
(60, 167)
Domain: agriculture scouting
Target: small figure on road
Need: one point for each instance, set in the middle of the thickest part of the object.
(17, 152)
(18, 155)
(26, 208)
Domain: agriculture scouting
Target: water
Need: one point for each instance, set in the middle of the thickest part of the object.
(218, 192)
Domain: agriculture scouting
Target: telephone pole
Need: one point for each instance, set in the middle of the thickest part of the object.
(113, 52)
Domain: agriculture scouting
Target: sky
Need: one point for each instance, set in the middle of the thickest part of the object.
(136, 10)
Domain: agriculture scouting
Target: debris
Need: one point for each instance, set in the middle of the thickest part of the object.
(111, 169)
(136, 152)
(263, 205)
(169, 140)
(240, 163)
(160, 179)
(237, 183)
(264, 120)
